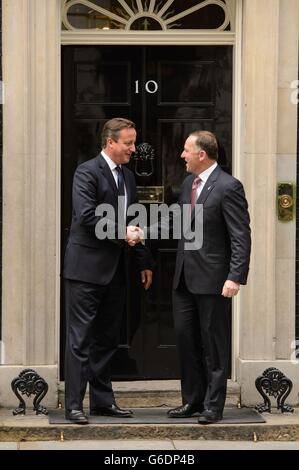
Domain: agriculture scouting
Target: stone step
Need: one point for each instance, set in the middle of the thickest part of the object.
(278, 427)
(153, 393)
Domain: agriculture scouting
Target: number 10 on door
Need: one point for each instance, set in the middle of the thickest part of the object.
(150, 86)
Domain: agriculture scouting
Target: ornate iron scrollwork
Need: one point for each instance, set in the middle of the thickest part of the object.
(274, 383)
(29, 383)
(144, 160)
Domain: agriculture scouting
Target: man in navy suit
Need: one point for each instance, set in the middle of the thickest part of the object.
(94, 273)
(207, 277)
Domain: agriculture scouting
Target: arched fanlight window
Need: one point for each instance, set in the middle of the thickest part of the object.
(148, 15)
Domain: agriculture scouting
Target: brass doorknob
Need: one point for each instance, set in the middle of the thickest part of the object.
(286, 201)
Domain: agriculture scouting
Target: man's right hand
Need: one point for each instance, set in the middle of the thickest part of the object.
(134, 235)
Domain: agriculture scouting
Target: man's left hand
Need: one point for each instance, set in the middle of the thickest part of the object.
(146, 278)
(230, 288)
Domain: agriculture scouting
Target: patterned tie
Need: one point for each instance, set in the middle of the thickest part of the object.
(195, 184)
(120, 181)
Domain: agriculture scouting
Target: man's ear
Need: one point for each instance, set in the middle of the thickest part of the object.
(109, 141)
(202, 155)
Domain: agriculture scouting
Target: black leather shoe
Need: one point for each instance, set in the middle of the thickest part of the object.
(209, 417)
(76, 416)
(112, 410)
(184, 411)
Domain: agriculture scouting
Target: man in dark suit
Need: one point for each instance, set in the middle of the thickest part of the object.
(207, 277)
(94, 273)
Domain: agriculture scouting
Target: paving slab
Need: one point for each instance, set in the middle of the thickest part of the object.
(234, 445)
(99, 445)
(156, 445)
(9, 445)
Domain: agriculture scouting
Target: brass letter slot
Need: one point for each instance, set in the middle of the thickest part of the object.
(285, 201)
(147, 194)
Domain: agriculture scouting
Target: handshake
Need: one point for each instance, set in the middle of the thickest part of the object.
(134, 235)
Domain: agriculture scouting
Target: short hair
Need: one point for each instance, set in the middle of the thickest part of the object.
(113, 127)
(206, 141)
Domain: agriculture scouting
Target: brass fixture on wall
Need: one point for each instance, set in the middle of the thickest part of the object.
(285, 201)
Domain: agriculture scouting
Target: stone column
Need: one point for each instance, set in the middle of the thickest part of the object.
(265, 330)
(31, 158)
(286, 172)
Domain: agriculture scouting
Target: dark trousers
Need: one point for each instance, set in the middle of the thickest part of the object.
(94, 317)
(203, 337)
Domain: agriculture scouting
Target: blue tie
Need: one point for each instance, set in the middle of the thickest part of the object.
(120, 181)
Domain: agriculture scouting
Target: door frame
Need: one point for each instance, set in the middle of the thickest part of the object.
(171, 38)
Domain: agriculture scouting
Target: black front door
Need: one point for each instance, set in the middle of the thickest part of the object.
(168, 91)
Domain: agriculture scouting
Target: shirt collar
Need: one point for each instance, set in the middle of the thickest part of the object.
(205, 174)
(112, 165)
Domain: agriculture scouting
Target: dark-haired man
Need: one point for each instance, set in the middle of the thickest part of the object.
(207, 277)
(94, 273)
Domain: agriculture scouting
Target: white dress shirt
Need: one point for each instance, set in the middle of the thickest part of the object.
(204, 177)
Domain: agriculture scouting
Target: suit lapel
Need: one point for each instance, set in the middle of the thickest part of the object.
(107, 174)
(208, 187)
